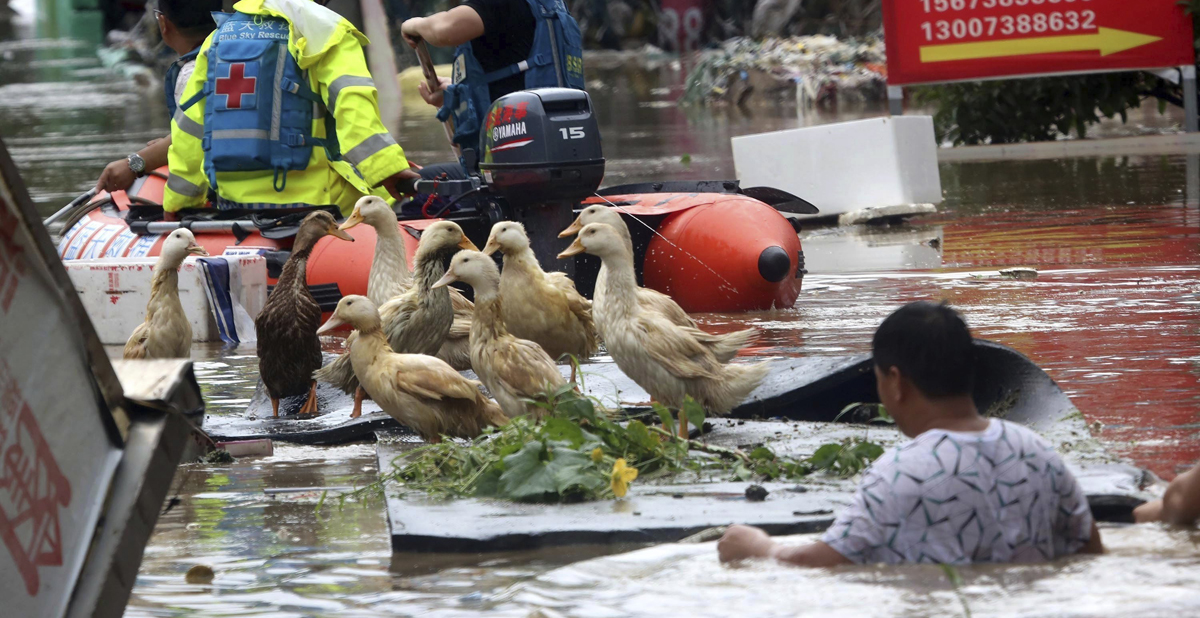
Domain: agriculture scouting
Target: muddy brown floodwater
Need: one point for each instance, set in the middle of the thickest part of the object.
(1113, 315)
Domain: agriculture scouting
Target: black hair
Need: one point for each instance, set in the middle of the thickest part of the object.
(191, 17)
(931, 346)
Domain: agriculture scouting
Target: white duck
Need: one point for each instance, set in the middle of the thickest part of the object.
(724, 347)
(666, 359)
(540, 306)
(417, 321)
(390, 275)
(166, 333)
(513, 370)
(419, 391)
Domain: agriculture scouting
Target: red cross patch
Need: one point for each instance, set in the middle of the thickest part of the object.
(236, 86)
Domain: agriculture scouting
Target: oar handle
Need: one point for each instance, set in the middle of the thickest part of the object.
(431, 77)
(65, 209)
(431, 80)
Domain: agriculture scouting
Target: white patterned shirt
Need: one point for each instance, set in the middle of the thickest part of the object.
(999, 495)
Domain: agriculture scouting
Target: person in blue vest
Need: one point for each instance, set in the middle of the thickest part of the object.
(281, 113)
(184, 24)
(501, 46)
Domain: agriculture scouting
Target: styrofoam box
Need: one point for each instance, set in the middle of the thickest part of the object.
(847, 165)
(115, 293)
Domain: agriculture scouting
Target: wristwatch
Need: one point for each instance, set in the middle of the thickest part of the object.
(137, 164)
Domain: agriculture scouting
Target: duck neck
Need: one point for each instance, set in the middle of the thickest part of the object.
(390, 274)
(164, 284)
(488, 321)
(428, 269)
(295, 270)
(623, 232)
(620, 283)
(390, 251)
(522, 259)
(368, 344)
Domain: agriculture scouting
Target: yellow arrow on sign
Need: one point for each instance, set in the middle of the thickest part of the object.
(1107, 41)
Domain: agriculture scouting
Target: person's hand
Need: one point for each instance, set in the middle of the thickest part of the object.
(116, 177)
(409, 30)
(1148, 512)
(401, 184)
(434, 98)
(744, 542)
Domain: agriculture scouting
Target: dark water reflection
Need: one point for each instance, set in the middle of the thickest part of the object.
(1113, 316)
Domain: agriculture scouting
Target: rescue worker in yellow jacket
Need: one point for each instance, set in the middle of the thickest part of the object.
(281, 113)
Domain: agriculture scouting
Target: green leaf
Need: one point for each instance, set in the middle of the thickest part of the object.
(526, 473)
(686, 159)
(668, 419)
(742, 473)
(694, 411)
(639, 435)
(762, 453)
(867, 451)
(825, 456)
(488, 484)
(846, 410)
(574, 471)
(557, 428)
(547, 471)
(882, 416)
(561, 391)
(579, 408)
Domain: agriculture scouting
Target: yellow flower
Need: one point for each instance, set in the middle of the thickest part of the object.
(597, 454)
(622, 475)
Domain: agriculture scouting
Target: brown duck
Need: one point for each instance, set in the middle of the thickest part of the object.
(289, 350)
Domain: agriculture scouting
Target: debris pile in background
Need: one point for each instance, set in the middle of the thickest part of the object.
(816, 69)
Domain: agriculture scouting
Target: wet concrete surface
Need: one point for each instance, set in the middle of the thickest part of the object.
(1113, 317)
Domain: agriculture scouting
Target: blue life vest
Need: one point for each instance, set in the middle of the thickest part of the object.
(556, 59)
(260, 107)
(173, 76)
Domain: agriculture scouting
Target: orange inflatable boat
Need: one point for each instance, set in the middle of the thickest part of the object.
(710, 251)
(711, 245)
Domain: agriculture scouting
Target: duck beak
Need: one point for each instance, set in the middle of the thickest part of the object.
(354, 219)
(575, 249)
(491, 247)
(572, 229)
(333, 324)
(466, 243)
(446, 279)
(195, 249)
(337, 232)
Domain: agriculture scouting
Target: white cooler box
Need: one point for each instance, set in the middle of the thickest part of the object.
(846, 166)
(115, 293)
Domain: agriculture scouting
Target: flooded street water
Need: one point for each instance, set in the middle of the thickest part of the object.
(1113, 316)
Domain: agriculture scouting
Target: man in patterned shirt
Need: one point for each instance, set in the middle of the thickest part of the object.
(965, 489)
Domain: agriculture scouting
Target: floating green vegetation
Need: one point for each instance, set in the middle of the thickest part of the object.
(1004, 405)
(578, 452)
(956, 582)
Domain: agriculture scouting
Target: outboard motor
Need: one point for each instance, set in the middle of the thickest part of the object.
(542, 146)
(541, 153)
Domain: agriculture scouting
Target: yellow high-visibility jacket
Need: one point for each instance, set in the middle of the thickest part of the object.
(330, 49)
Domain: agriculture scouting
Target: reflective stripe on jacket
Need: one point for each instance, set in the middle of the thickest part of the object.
(330, 49)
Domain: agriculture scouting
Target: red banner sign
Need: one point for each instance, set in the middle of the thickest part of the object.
(948, 40)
